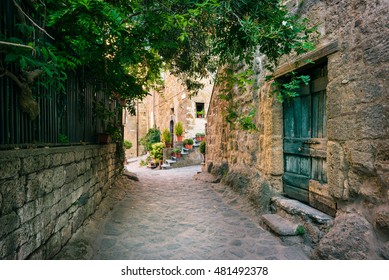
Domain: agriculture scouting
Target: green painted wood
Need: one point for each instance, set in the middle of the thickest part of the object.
(305, 137)
(297, 180)
(296, 193)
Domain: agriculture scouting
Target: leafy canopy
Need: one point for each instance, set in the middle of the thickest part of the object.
(125, 44)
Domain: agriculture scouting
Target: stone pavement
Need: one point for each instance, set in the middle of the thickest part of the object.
(175, 214)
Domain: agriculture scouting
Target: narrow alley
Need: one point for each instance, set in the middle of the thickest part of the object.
(172, 214)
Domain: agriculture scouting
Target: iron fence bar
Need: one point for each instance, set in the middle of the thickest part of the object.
(72, 113)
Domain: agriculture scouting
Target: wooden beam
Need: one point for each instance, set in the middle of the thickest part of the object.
(302, 60)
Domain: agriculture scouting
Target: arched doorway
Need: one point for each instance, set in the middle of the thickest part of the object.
(172, 132)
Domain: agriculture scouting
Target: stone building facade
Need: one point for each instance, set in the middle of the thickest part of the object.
(135, 127)
(163, 109)
(347, 161)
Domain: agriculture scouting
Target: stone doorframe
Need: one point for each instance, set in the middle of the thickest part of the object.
(276, 167)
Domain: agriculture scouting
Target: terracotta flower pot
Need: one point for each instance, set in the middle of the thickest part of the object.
(177, 155)
(189, 146)
(104, 138)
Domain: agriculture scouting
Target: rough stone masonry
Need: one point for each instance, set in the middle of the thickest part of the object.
(46, 194)
(357, 112)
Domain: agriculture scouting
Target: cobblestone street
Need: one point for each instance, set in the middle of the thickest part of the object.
(172, 214)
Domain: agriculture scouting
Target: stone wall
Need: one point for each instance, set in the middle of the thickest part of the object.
(357, 109)
(46, 194)
(173, 103)
(136, 127)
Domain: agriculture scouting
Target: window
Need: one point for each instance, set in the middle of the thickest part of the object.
(200, 110)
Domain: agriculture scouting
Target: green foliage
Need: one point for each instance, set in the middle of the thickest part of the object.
(200, 134)
(246, 122)
(153, 136)
(127, 144)
(157, 150)
(202, 147)
(104, 114)
(125, 45)
(166, 137)
(176, 151)
(179, 129)
(115, 132)
(300, 230)
(188, 141)
(287, 87)
(62, 138)
(200, 112)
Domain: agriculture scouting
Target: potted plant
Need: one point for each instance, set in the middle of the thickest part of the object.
(200, 137)
(200, 114)
(202, 150)
(157, 152)
(202, 147)
(179, 131)
(176, 152)
(108, 131)
(166, 138)
(188, 143)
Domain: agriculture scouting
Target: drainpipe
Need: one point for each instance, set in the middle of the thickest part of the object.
(137, 128)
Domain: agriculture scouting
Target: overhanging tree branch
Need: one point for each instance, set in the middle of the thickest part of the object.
(33, 22)
(17, 45)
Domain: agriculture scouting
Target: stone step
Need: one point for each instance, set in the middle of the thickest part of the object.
(282, 226)
(170, 161)
(294, 207)
(166, 166)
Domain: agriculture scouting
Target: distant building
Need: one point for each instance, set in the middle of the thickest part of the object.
(163, 109)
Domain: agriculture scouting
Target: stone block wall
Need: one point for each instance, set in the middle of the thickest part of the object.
(357, 109)
(46, 194)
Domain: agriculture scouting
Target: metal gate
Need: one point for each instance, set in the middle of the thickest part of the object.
(305, 137)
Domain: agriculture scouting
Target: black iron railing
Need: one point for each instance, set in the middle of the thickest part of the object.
(65, 118)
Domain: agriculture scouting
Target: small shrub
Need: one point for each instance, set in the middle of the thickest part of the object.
(300, 230)
(127, 144)
(179, 129)
(157, 151)
(188, 141)
(63, 139)
(153, 136)
(166, 138)
(202, 147)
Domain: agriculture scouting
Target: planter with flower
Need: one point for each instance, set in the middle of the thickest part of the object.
(157, 153)
(200, 114)
(176, 152)
(200, 137)
(188, 143)
(179, 131)
(108, 131)
(202, 150)
(166, 138)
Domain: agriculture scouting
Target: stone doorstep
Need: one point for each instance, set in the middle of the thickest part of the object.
(280, 225)
(165, 166)
(298, 208)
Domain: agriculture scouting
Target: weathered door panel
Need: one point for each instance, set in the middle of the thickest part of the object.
(305, 137)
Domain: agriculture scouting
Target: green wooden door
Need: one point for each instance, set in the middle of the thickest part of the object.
(305, 137)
